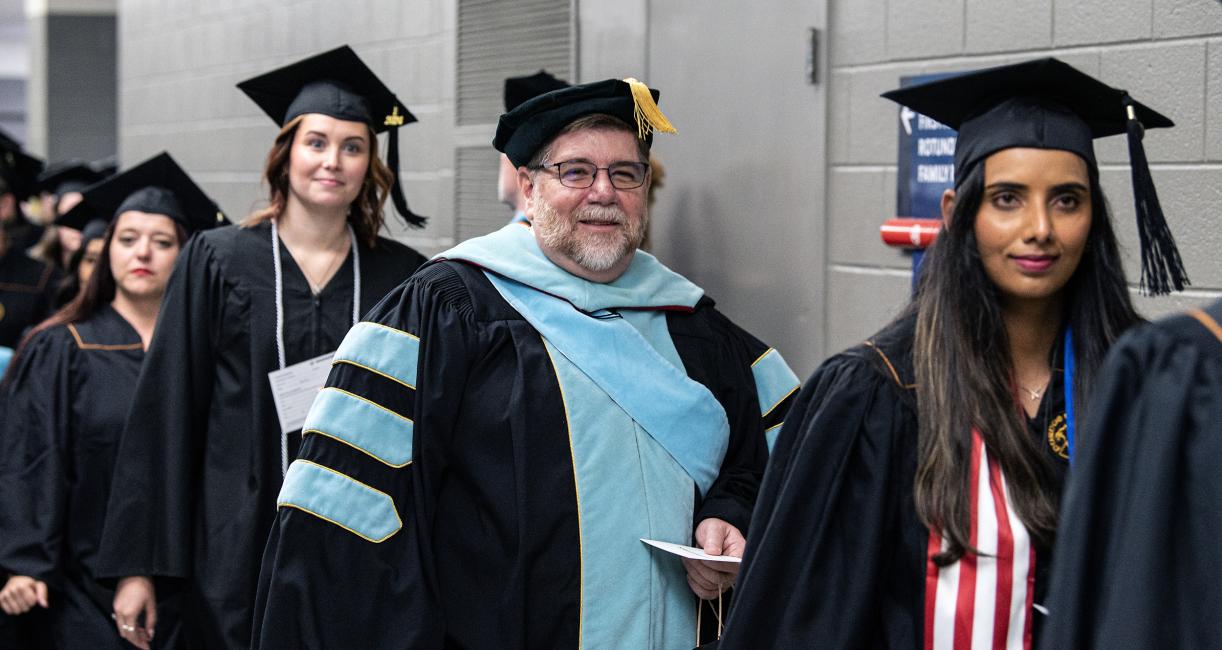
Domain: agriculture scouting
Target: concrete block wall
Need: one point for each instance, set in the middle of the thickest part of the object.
(80, 86)
(69, 49)
(1165, 52)
(14, 70)
(179, 61)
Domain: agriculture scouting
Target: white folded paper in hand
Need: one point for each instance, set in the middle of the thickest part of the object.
(690, 552)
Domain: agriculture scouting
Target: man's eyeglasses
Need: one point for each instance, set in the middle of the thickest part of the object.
(580, 175)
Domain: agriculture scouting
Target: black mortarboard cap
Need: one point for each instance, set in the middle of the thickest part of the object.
(520, 89)
(82, 214)
(1048, 104)
(18, 169)
(158, 186)
(95, 229)
(106, 166)
(336, 83)
(66, 176)
(521, 131)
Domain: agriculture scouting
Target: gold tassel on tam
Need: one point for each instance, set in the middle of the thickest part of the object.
(649, 117)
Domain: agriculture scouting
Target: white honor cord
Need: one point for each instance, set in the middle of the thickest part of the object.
(356, 314)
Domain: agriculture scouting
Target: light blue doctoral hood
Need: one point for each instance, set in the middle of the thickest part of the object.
(512, 252)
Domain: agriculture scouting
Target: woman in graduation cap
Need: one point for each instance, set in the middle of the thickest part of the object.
(61, 186)
(67, 396)
(911, 498)
(83, 261)
(19, 172)
(27, 285)
(204, 452)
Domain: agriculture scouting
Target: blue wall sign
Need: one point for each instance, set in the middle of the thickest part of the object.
(926, 164)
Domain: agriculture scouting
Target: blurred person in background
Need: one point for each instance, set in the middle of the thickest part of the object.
(83, 261)
(19, 173)
(60, 186)
(27, 286)
(23, 302)
(518, 90)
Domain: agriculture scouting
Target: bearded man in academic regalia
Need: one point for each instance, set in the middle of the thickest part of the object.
(500, 434)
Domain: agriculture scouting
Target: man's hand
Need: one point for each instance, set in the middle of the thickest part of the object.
(21, 594)
(715, 537)
(136, 596)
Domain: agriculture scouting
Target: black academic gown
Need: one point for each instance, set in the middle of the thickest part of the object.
(489, 554)
(66, 401)
(837, 554)
(27, 293)
(1139, 563)
(23, 235)
(195, 489)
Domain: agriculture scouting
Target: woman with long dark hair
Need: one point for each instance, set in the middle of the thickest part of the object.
(66, 398)
(83, 261)
(911, 499)
(253, 313)
(60, 188)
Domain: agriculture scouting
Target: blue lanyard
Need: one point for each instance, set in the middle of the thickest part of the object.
(1068, 384)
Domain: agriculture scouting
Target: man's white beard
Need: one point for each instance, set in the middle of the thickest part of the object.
(594, 252)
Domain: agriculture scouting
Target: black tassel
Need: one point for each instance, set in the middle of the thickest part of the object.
(396, 190)
(1162, 270)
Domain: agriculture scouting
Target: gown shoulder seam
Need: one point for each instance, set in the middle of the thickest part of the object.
(1208, 322)
(80, 343)
(895, 376)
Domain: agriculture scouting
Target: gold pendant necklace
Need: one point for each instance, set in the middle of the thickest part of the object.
(1034, 394)
(316, 287)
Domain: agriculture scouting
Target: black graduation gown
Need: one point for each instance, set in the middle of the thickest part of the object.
(1138, 560)
(489, 553)
(27, 293)
(194, 491)
(23, 235)
(837, 554)
(66, 401)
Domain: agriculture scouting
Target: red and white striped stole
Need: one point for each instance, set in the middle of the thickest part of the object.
(983, 601)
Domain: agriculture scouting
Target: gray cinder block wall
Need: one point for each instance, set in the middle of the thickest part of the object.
(775, 187)
(1166, 52)
(14, 69)
(71, 92)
